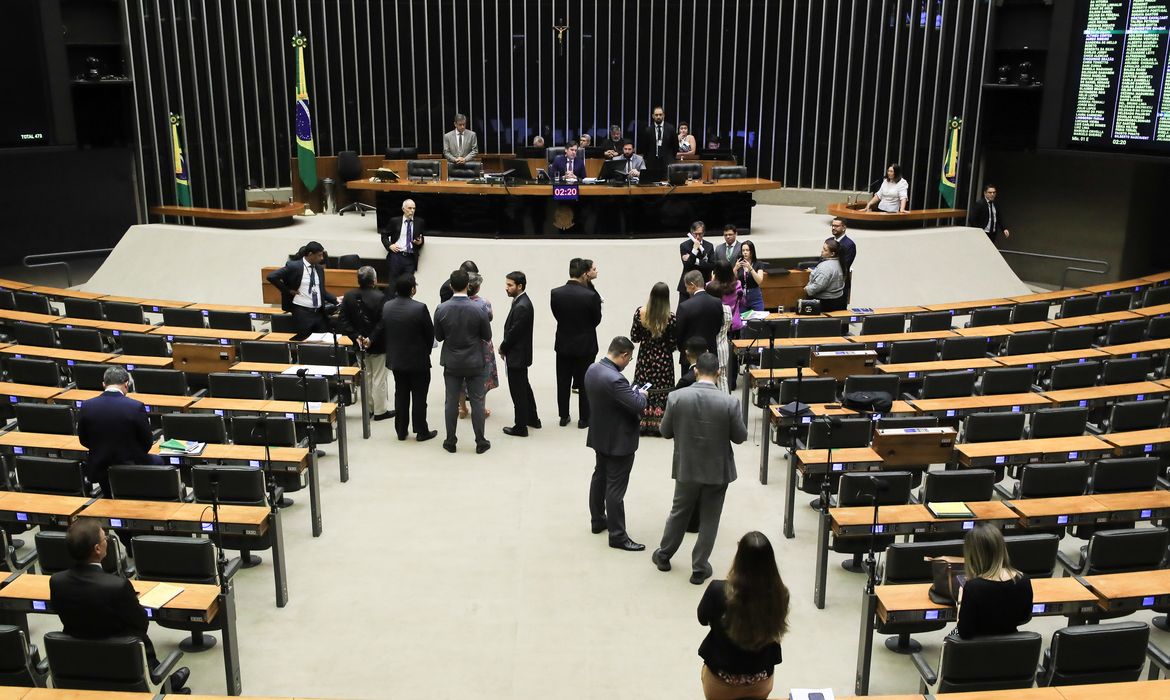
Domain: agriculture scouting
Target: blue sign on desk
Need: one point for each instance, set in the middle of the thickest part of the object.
(567, 192)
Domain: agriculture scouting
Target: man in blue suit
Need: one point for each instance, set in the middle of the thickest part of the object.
(114, 428)
(616, 409)
(568, 166)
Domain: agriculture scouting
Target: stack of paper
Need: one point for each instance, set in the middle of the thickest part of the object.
(181, 447)
(950, 509)
(160, 595)
(312, 370)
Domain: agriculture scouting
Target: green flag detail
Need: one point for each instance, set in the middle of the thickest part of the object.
(182, 181)
(306, 153)
(950, 167)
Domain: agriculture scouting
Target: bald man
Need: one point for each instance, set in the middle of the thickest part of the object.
(402, 237)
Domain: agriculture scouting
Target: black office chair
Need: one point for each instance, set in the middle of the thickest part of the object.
(123, 312)
(1027, 343)
(7, 301)
(1110, 303)
(229, 320)
(160, 381)
(1122, 332)
(931, 321)
(904, 351)
(992, 662)
(1077, 306)
(1073, 375)
(1119, 551)
(848, 432)
(1079, 338)
(1058, 422)
(783, 357)
(113, 663)
(283, 323)
(86, 339)
(464, 171)
(1159, 327)
(1052, 480)
(56, 419)
(726, 172)
(886, 383)
(997, 316)
(763, 330)
(857, 489)
(33, 303)
(1123, 475)
(52, 475)
(1084, 654)
(957, 485)
(1135, 415)
(1126, 370)
(89, 375)
(552, 152)
(408, 153)
(322, 354)
(425, 169)
(275, 431)
(883, 324)
(187, 318)
(202, 427)
(20, 662)
(38, 334)
(946, 385)
(906, 562)
(996, 426)
(694, 171)
(144, 344)
(236, 385)
(239, 486)
(1156, 296)
(147, 482)
(53, 555)
(260, 351)
(32, 370)
(1030, 312)
(349, 167)
(812, 390)
(816, 327)
(182, 560)
(84, 308)
(1007, 380)
(963, 348)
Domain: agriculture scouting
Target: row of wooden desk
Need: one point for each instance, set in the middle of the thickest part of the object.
(13, 693)
(147, 304)
(1135, 690)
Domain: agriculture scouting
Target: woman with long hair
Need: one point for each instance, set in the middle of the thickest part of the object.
(750, 272)
(653, 331)
(827, 280)
(996, 598)
(724, 285)
(893, 196)
(748, 615)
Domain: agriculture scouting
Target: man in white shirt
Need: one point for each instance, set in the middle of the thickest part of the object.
(460, 145)
(403, 238)
(302, 288)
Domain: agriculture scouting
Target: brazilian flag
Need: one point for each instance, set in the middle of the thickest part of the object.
(182, 181)
(306, 153)
(950, 166)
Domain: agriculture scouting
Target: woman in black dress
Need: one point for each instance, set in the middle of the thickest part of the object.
(653, 331)
(748, 614)
(996, 598)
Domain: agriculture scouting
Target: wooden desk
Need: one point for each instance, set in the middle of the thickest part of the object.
(786, 290)
(295, 408)
(40, 508)
(234, 218)
(962, 405)
(26, 316)
(739, 184)
(844, 460)
(880, 340)
(148, 304)
(1097, 395)
(745, 343)
(857, 314)
(1151, 311)
(911, 370)
(223, 336)
(60, 355)
(859, 215)
(342, 340)
(1068, 449)
(166, 402)
(1138, 442)
(1122, 286)
(337, 281)
(14, 285)
(911, 603)
(1046, 359)
(1137, 590)
(132, 361)
(959, 308)
(60, 292)
(16, 391)
(1057, 295)
(1136, 690)
(1059, 510)
(14, 441)
(256, 312)
(998, 331)
(1156, 279)
(1135, 349)
(114, 328)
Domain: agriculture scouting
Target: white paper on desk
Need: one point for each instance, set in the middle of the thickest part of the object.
(810, 694)
(312, 370)
(321, 338)
(753, 315)
(314, 405)
(160, 595)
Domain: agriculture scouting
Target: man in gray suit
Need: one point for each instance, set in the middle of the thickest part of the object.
(460, 145)
(731, 248)
(706, 421)
(462, 326)
(613, 434)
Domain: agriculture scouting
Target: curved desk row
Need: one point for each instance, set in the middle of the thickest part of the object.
(858, 215)
(235, 218)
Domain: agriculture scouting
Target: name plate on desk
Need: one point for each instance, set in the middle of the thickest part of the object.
(914, 446)
(566, 192)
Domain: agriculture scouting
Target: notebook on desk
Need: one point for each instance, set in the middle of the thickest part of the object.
(950, 509)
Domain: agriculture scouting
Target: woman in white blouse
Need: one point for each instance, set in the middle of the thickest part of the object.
(892, 196)
(687, 148)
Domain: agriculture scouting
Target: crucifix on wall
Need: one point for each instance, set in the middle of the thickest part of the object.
(560, 30)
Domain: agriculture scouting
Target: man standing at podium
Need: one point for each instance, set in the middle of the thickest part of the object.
(403, 239)
(659, 141)
(460, 145)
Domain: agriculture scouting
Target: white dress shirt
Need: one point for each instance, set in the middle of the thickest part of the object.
(304, 296)
(992, 215)
(891, 195)
(403, 238)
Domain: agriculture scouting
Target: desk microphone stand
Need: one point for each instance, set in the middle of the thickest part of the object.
(217, 534)
(823, 515)
(315, 505)
(260, 432)
(793, 410)
(868, 601)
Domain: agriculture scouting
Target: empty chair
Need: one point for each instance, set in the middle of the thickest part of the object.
(946, 385)
(426, 169)
(1156, 296)
(1109, 303)
(350, 261)
(114, 664)
(992, 662)
(885, 383)
(202, 427)
(1033, 555)
(7, 301)
(763, 330)
(20, 662)
(144, 344)
(906, 562)
(1073, 375)
(882, 324)
(187, 318)
(322, 354)
(1119, 551)
(963, 348)
(123, 312)
(904, 351)
(147, 482)
(259, 351)
(1084, 654)
(997, 316)
(781, 357)
(1126, 370)
(286, 387)
(241, 486)
(182, 560)
(816, 327)
(33, 370)
(272, 430)
(53, 556)
(1030, 312)
(1077, 306)
(1078, 338)
(86, 339)
(236, 385)
(993, 427)
(1027, 343)
(1007, 380)
(283, 323)
(957, 485)
(89, 376)
(33, 303)
(37, 334)
(159, 381)
(931, 321)
(57, 419)
(54, 476)
(812, 390)
(1159, 328)
(1058, 422)
(1052, 480)
(84, 308)
(1136, 415)
(1123, 474)
(1122, 332)
(229, 320)
(464, 171)
(857, 489)
(728, 172)
(822, 434)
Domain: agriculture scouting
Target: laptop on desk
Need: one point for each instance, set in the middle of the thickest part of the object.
(518, 170)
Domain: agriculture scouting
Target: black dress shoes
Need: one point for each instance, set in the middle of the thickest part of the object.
(660, 561)
(449, 446)
(423, 437)
(515, 432)
(564, 421)
(482, 447)
(698, 578)
(598, 529)
(402, 437)
(535, 424)
(629, 545)
(179, 679)
(582, 424)
(384, 416)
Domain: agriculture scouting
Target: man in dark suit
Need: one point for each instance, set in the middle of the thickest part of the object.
(462, 326)
(516, 349)
(705, 422)
(694, 347)
(613, 435)
(408, 335)
(985, 214)
(569, 166)
(696, 254)
(114, 428)
(700, 315)
(612, 144)
(445, 292)
(577, 310)
(360, 312)
(731, 247)
(659, 141)
(403, 238)
(95, 605)
(846, 251)
(302, 288)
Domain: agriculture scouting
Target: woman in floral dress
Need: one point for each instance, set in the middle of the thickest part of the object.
(653, 331)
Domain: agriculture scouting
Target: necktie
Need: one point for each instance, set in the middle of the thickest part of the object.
(658, 141)
(569, 166)
(313, 286)
(991, 219)
(410, 235)
(459, 136)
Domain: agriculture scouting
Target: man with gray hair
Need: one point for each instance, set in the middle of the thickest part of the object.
(612, 143)
(403, 239)
(460, 145)
(114, 428)
(361, 310)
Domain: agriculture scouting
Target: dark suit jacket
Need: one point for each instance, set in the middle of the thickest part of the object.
(704, 262)
(980, 213)
(462, 325)
(721, 252)
(615, 410)
(577, 310)
(115, 430)
(95, 605)
(288, 280)
(701, 315)
(517, 343)
(669, 150)
(361, 311)
(408, 334)
(847, 253)
(608, 144)
(560, 166)
(393, 228)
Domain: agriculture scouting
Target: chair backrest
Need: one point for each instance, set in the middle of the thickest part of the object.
(1030, 312)
(250, 430)
(931, 321)
(84, 308)
(16, 662)
(881, 324)
(1109, 303)
(963, 348)
(287, 387)
(53, 555)
(51, 475)
(179, 559)
(33, 303)
(913, 351)
(1078, 306)
(816, 327)
(1074, 375)
(724, 172)
(7, 301)
(1121, 474)
(349, 261)
(812, 390)
(1084, 654)
(1068, 421)
(1131, 331)
(37, 334)
(1125, 370)
(958, 485)
(1120, 551)
(123, 312)
(33, 370)
(259, 351)
(906, 561)
(995, 426)
(1159, 327)
(57, 419)
(1156, 296)
(113, 663)
(1007, 380)
(1053, 480)
(349, 167)
(1033, 555)
(1027, 343)
(872, 382)
(946, 385)
(229, 320)
(242, 486)
(187, 318)
(781, 357)
(694, 171)
(203, 427)
(89, 375)
(552, 152)
(423, 168)
(236, 385)
(992, 662)
(1137, 415)
(87, 339)
(321, 354)
(406, 153)
(146, 482)
(144, 344)
(991, 317)
(148, 380)
(1078, 338)
(857, 489)
(848, 432)
(778, 328)
(464, 171)
(283, 323)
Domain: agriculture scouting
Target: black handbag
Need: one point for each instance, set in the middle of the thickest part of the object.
(868, 401)
(949, 576)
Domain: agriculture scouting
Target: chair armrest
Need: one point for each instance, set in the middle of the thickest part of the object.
(42, 667)
(231, 568)
(201, 393)
(1003, 491)
(25, 561)
(929, 677)
(1159, 659)
(159, 673)
(34, 654)
(1068, 564)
